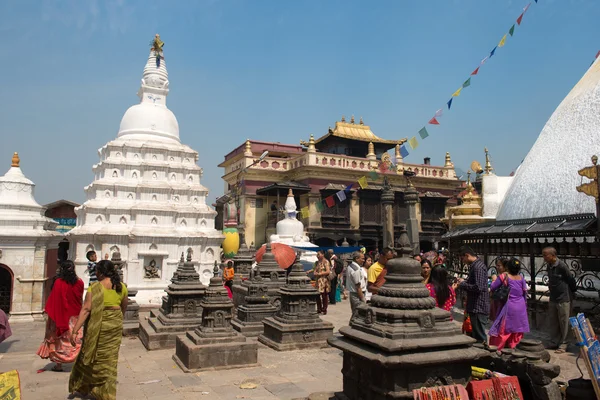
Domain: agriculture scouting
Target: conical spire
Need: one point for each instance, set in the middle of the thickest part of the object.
(15, 160)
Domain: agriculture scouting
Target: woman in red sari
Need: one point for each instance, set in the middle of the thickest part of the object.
(63, 307)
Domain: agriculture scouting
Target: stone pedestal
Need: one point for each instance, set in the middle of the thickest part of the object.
(242, 262)
(297, 324)
(181, 308)
(214, 344)
(273, 278)
(250, 315)
(131, 319)
(402, 341)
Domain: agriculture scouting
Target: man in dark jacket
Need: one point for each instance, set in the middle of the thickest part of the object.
(559, 307)
(478, 298)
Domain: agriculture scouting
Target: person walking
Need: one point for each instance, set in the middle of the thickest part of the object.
(365, 277)
(95, 371)
(560, 284)
(336, 274)
(496, 305)
(511, 322)
(444, 295)
(323, 284)
(478, 298)
(353, 282)
(62, 308)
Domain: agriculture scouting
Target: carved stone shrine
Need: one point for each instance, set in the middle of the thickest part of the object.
(181, 308)
(250, 315)
(297, 324)
(402, 341)
(214, 344)
(273, 278)
(242, 261)
(131, 319)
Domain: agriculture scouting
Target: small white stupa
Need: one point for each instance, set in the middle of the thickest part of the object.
(146, 200)
(290, 230)
(25, 236)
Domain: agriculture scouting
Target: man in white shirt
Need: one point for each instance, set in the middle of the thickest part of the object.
(353, 282)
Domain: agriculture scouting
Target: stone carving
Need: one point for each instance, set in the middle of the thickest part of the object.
(180, 309)
(151, 271)
(296, 325)
(219, 319)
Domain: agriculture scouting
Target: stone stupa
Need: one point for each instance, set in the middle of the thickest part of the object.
(146, 200)
(402, 341)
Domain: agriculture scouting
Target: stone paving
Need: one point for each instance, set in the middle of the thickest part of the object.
(154, 375)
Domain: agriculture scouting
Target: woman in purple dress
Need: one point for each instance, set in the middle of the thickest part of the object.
(511, 322)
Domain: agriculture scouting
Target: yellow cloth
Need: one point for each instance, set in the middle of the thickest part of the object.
(10, 385)
(111, 297)
(374, 271)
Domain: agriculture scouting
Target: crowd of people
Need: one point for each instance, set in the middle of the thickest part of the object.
(497, 302)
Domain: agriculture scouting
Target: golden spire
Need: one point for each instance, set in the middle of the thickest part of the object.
(290, 193)
(343, 119)
(448, 163)
(15, 160)
(361, 121)
(248, 150)
(352, 119)
(397, 154)
(488, 165)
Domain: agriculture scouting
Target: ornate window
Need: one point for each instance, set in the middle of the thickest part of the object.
(337, 216)
(370, 207)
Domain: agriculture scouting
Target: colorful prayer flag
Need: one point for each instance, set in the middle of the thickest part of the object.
(457, 93)
(330, 201)
(467, 83)
(475, 72)
(527, 7)
(341, 195)
(493, 51)
(450, 103)
(373, 175)
(413, 142)
(362, 182)
(484, 60)
(423, 133)
(439, 113)
(520, 19)
(511, 31)
(320, 206)
(403, 151)
(349, 187)
(502, 41)
(434, 121)
(304, 211)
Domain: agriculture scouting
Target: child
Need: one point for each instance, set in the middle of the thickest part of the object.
(91, 267)
(228, 274)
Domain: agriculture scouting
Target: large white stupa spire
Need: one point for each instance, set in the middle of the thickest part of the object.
(147, 201)
(151, 119)
(545, 184)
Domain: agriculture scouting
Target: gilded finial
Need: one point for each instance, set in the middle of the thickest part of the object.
(290, 193)
(352, 119)
(248, 146)
(448, 161)
(361, 121)
(488, 165)
(397, 154)
(157, 44)
(343, 119)
(15, 160)
(371, 154)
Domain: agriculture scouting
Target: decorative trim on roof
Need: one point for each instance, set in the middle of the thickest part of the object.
(359, 132)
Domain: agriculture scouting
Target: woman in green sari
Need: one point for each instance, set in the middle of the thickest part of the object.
(95, 371)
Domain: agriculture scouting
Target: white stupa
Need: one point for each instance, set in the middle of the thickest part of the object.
(146, 200)
(545, 184)
(290, 230)
(25, 236)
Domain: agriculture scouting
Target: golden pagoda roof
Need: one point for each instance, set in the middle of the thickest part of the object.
(360, 131)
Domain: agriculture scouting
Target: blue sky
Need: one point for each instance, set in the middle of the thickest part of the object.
(279, 70)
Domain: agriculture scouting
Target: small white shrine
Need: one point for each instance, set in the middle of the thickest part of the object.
(25, 236)
(146, 200)
(290, 230)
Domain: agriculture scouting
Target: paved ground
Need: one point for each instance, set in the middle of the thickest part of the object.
(153, 375)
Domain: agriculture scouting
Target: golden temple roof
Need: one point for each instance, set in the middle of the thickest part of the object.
(360, 131)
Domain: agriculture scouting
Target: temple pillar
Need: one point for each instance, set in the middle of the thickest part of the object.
(387, 204)
(411, 198)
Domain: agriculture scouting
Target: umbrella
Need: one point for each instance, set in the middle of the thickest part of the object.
(284, 254)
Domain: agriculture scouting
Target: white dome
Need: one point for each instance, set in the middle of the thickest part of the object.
(149, 119)
(545, 184)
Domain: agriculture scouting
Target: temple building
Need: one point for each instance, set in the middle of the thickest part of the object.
(146, 201)
(319, 168)
(26, 236)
